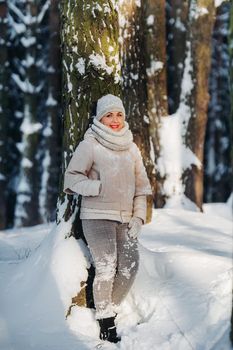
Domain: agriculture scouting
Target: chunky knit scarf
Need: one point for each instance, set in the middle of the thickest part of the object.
(115, 140)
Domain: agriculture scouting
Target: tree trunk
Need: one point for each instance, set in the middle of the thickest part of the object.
(218, 172)
(4, 115)
(143, 58)
(52, 132)
(27, 206)
(201, 20)
(156, 80)
(177, 18)
(90, 69)
(230, 41)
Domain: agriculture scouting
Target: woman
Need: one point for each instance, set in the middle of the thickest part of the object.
(107, 170)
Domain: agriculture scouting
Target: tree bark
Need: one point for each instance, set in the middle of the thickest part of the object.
(4, 115)
(143, 59)
(217, 160)
(201, 20)
(91, 68)
(52, 134)
(230, 42)
(27, 206)
(134, 79)
(156, 80)
(176, 26)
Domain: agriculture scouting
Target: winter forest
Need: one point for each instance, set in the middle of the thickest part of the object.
(171, 62)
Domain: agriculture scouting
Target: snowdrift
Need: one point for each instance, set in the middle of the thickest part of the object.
(180, 300)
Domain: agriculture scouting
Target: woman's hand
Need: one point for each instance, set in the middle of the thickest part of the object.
(134, 226)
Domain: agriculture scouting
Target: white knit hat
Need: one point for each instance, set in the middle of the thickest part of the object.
(109, 103)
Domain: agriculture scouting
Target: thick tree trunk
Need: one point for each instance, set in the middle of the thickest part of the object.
(52, 132)
(90, 69)
(4, 115)
(133, 53)
(143, 59)
(201, 20)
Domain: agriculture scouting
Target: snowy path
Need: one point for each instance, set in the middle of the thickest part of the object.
(181, 299)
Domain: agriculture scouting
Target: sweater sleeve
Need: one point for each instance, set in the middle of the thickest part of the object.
(142, 188)
(76, 175)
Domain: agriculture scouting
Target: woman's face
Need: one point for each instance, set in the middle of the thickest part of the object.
(113, 120)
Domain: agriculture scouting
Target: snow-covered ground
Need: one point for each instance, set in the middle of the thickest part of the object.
(181, 298)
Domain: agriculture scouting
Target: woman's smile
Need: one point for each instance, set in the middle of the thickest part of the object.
(113, 120)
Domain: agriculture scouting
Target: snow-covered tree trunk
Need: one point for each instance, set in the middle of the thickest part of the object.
(182, 134)
(91, 68)
(202, 16)
(143, 70)
(176, 28)
(132, 57)
(217, 177)
(230, 41)
(27, 206)
(51, 141)
(4, 115)
(156, 80)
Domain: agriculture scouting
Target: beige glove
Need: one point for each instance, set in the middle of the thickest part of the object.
(134, 226)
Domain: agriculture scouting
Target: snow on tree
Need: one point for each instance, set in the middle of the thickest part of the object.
(132, 38)
(91, 68)
(26, 19)
(143, 60)
(176, 30)
(217, 181)
(182, 133)
(51, 132)
(4, 111)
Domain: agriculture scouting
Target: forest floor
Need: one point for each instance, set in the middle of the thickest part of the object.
(181, 298)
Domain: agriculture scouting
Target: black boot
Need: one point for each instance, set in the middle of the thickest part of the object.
(108, 330)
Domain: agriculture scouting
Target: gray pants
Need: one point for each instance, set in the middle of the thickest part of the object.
(116, 260)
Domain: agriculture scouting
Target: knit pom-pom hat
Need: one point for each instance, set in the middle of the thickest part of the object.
(109, 103)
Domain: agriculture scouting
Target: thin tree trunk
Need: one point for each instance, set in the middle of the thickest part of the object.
(177, 19)
(230, 41)
(27, 206)
(156, 81)
(4, 115)
(52, 132)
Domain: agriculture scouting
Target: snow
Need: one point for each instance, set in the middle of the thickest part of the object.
(27, 163)
(219, 2)
(50, 102)
(81, 66)
(181, 297)
(150, 20)
(175, 155)
(28, 127)
(27, 42)
(155, 66)
(99, 62)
